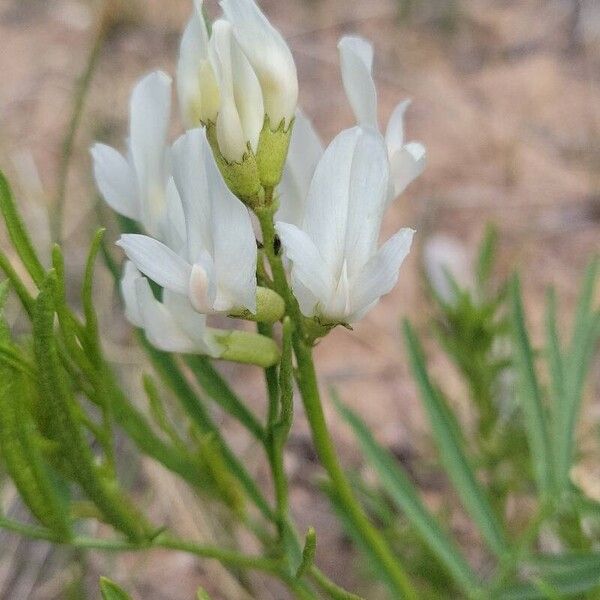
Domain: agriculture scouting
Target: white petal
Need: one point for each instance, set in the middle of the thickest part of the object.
(367, 191)
(269, 56)
(309, 268)
(115, 180)
(129, 293)
(304, 153)
(406, 165)
(346, 199)
(197, 88)
(189, 174)
(192, 322)
(157, 261)
(356, 58)
(241, 110)
(394, 134)
(380, 274)
(150, 113)
(219, 229)
(326, 212)
(175, 234)
(234, 244)
(160, 327)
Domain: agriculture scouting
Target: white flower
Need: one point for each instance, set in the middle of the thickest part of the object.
(140, 186)
(304, 153)
(269, 56)
(197, 87)
(407, 160)
(338, 273)
(241, 109)
(171, 325)
(216, 270)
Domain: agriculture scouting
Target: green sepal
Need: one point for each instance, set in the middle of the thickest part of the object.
(242, 178)
(270, 307)
(272, 151)
(247, 347)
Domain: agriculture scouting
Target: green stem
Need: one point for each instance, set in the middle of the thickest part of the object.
(82, 87)
(309, 391)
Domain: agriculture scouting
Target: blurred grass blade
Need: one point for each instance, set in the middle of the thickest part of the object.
(531, 399)
(218, 389)
(578, 577)
(111, 591)
(404, 494)
(371, 562)
(18, 233)
(586, 331)
(486, 256)
(453, 458)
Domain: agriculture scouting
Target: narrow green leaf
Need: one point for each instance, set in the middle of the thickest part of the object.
(404, 494)
(111, 591)
(531, 398)
(486, 256)
(87, 292)
(202, 594)
(219, 390)
(21, 290)
(576, 580)
(171, 375)
(62, 421)
(452, 455)
(18, 233)
(22, 457)
(308, 553)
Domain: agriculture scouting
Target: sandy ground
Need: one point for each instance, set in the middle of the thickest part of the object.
(506, 97)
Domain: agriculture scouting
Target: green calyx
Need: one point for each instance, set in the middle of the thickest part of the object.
(242, 178)
(270, 307)
(272, 151)
(247, 347)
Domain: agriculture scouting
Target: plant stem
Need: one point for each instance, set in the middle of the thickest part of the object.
(79, 96)
(309, 390)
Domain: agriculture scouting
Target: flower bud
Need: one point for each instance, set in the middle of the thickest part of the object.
(235, 135)
(197, 86)
(270, 58)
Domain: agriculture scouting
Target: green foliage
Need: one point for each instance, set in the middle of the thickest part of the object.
(111, 591)
(476, 328)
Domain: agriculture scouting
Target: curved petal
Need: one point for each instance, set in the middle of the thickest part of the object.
(380, 274)
(269, 56)
(304, 153)
(356, 58)
(150, 113)
(406, 165)
(157, 261)
(115, 180)
(394, 133)
(241, 109)
(175, 234)
(234, 243)
(368, 192)
(128, 292)
(326, 212)
(308, 268)
(160, 327)
(192, 322)
(189, 174)
(197, 88)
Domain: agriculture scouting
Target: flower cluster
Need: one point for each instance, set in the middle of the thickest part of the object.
(249, 148)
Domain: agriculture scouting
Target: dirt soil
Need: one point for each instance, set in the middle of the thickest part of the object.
(506, 97)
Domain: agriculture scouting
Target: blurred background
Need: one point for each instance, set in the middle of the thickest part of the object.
(506, 98)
